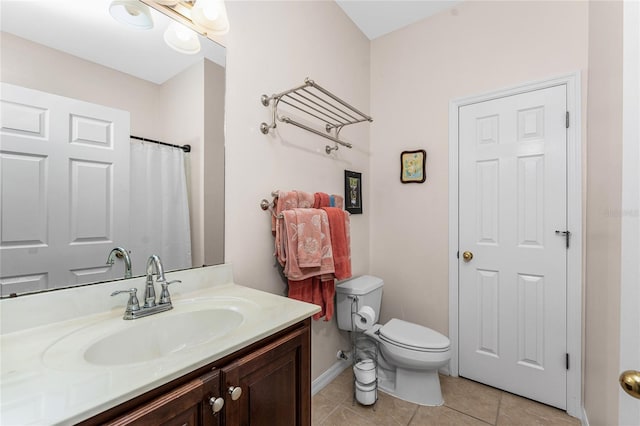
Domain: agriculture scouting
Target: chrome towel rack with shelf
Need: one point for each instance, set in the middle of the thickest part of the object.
(317, 102)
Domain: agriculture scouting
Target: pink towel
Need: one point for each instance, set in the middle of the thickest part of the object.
(305, 199)
(338, 201)
(314, 290)
(339, 225)
(321, 200)
(289, 235)
(286, 200)
(309, 252)
(303, 290)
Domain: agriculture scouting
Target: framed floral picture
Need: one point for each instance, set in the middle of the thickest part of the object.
(353, 192)
(413, 166)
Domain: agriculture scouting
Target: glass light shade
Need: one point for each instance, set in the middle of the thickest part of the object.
(211, 15)
(182, 39)
(131, 13)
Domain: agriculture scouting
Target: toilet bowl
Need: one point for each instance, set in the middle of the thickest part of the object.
(413, 354)
(410, 353)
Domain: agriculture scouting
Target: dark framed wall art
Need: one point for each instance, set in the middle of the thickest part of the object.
(353, 192)
(413, 166)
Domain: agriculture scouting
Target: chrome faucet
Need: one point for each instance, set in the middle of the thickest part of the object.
(149, 289)
(120, 253)
(133, 311)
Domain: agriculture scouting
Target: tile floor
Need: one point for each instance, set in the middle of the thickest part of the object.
(465, 403)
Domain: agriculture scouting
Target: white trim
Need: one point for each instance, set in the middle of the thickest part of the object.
(327, 377)
(574, 224)
(628, 408)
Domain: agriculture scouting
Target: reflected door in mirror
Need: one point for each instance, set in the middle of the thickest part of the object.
(65, 196)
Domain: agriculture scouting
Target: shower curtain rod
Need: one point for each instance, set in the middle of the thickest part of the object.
(185, 148)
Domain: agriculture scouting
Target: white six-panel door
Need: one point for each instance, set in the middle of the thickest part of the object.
(512, 199)
(64, 197)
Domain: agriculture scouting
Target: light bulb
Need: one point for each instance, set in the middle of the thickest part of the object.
(182, 39)
(210, 8)
(131, 13)
(210, 15)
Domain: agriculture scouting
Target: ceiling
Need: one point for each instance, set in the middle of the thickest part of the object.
(376, 18)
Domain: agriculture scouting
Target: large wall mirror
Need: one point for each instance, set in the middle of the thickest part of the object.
(75, 184)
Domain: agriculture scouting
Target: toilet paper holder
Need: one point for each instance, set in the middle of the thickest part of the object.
(362, 319)
(367, 317)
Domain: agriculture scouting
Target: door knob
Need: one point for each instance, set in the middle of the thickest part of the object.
(216, 404)
(467, 256)
(630, 382)
(235, 392)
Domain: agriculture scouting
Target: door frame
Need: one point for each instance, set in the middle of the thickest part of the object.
(574, 224)
(629, 408)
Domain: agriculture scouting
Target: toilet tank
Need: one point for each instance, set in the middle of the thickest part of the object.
(368, 290)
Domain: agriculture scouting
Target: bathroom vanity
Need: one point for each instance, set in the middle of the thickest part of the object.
(224, 355)
(269, 380)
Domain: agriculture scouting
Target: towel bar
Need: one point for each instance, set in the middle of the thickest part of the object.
(268, 205)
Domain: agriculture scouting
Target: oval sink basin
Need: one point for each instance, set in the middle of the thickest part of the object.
(200, 325)
(160, 336)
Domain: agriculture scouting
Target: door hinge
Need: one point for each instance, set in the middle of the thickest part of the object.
(567, 360)
(567, 120)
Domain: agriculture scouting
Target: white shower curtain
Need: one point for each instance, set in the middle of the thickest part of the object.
(159, 207)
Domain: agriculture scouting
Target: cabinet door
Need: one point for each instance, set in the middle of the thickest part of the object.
(186, 405)
(276, 384)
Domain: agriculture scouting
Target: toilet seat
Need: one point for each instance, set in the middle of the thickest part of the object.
(413, 336)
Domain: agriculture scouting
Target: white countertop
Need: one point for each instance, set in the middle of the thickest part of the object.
(45, 378)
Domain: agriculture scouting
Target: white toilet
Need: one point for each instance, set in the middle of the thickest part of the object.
(410, 353)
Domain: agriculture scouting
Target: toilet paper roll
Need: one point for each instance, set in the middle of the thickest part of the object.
(365, 318)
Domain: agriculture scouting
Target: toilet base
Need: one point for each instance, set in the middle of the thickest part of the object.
(417, 386)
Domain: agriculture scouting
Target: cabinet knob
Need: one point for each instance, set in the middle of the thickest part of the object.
(216, 404)
(235, 392)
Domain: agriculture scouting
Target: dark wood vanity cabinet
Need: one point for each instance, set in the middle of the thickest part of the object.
(273, 375)
(188, 405)
(275, 382)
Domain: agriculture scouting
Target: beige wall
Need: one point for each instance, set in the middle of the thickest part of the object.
(182, 101)
(415, 72)
(272, 47)
(604, 192)
(193, 110)
(35, 66)
(214, 86)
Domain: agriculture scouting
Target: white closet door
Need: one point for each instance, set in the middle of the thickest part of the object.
(64, 191)
(512, 299)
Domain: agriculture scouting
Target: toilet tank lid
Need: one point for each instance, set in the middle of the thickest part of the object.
(360, 285)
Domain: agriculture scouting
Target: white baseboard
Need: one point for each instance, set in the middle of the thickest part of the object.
(327, 377)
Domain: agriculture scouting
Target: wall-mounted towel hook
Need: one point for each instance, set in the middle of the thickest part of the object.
(328, 148)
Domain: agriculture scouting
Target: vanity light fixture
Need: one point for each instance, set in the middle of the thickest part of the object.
(182, 39)
(131, 13)
(206, 17)
(212, 15)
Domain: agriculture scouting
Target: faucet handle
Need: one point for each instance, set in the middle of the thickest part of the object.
(165, 297)
(132, 304)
